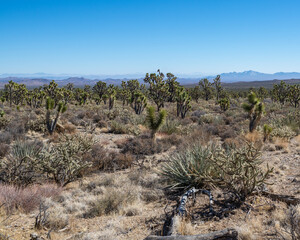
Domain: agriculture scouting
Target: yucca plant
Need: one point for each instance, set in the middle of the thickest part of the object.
(51, 123)
(190, 168)
(267, 131)
(154, 122)
(233, 169)
(21, 166)
(255, 109)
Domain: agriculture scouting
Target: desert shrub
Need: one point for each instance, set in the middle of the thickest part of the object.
(6, 137)
(118, 128)
(64, 161)
(234, 169)
(210, 118)
(17, 128)
(4, 121)
(105, 160)
(21, 166)
(81, 114)
(102, 124)
(112, 201)
(37, 125)
(4, 148)
(70, 128)
(142, 145)
(170, 126)
(198, 113)
(26, 199)
(287, 223)
(282, 132)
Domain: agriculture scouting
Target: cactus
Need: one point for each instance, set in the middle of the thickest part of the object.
(65, 161)
(255, 110)
(235, 169)
(51, 123)
(267, 132)
(155, 123)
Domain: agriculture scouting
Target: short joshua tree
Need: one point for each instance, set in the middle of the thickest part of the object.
(51, 123)
(154, 122)
(255, 109)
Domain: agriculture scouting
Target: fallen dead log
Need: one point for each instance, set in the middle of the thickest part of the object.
(288, 199)
(225, 234)
(181, 211)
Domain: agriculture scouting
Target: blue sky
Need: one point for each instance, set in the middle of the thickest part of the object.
(138, 36)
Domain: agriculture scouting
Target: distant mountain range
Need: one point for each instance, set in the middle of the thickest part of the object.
(39, 79)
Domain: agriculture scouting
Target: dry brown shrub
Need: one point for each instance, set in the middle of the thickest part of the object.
(26, 199)
(70, 128)
(4, 148)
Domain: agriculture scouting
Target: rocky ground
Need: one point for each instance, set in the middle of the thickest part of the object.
(146, 213)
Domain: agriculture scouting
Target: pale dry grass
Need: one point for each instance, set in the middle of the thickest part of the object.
(183, 226)
(281, 144)
(287, 222)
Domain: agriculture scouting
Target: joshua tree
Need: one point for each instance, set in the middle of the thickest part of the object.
(100, 89)
(294, 94)
(51, 123)
(183, 102)
(111, 93)
(262, 93)
(173, 86)
(139, 102)
(219, 89)
(159, 89)
(195, 93)
(224, 103)
(280, 92)
(267, 132)
(9, 90)
(207, 88)
(255, 109)
(154, 122)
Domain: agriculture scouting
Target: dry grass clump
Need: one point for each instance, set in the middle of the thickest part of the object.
(113, 200)
(183, 226)
(26, 199)
(70, 128)
(107, 160)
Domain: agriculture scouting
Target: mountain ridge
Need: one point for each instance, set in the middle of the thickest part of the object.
(38, 79)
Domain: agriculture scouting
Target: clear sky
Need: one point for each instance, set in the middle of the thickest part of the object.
(138, 36)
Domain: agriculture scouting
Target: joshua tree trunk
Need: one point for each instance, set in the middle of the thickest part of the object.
(153, 136)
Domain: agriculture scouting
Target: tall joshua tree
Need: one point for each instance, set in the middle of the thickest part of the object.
(183, 102)
(207, 88)
(51, 123)
(255, 109)
(218, 86)
(158, 89)
(154, 122)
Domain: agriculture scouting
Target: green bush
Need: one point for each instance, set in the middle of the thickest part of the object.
(65, 161)
(234, 169)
